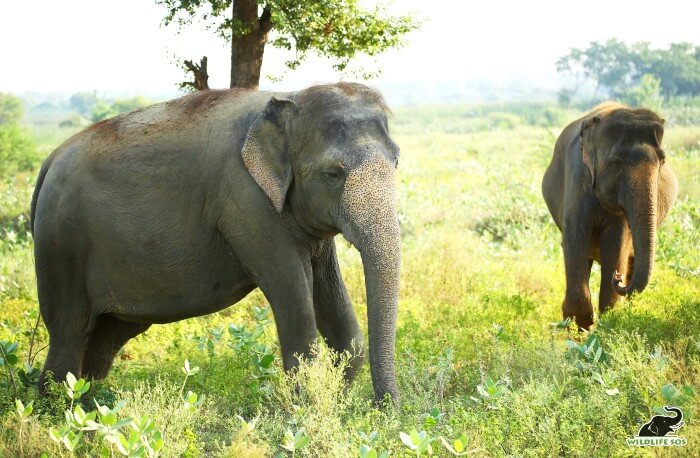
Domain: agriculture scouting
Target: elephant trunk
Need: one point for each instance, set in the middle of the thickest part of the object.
(679, 415)
(382, 285)
(369, 221)
(640, 206)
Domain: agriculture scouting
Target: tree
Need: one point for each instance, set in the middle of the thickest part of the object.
(11, 109)
(337, 29)
(607, 64)
(17, 151)
(103, 109)
(646, 94)
(82, 102)
(617, 67)
(677, 68)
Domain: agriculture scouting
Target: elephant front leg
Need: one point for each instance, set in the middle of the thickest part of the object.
(577, 301)
(335, 316)
(287, 283)
(615, 250)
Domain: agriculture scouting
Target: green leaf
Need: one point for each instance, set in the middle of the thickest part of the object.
(54, 435)
(10, 348)
(407, 440)
(669, 392)
(301, 442)
(79, 415)
(121, 423)
(288, 441)
(415, 437)
(367, 452)
(688, 391)
(109, 419)
(70, 380)
(267, 360)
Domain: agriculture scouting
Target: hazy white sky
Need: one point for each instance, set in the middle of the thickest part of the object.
(119, 45)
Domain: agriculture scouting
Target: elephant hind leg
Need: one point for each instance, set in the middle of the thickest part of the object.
(108, 336)
(66, 349)
(66, 312)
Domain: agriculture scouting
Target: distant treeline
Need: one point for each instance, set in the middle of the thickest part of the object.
(616, 68)
(90, 105)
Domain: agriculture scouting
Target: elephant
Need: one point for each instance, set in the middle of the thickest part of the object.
(608, 187)
(182, 208)
(660, 425)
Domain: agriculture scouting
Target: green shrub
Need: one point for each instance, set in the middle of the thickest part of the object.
(646, 94)
(103, 109)
(17, 150)
(11, 109)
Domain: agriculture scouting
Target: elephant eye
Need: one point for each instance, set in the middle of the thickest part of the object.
(334, 174)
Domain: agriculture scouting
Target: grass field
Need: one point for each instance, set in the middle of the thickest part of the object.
(482, 355)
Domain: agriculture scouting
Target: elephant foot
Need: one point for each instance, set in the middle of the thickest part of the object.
(584, 322)
(582, 315)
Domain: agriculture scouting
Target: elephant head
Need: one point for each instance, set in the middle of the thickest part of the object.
(325, 155)
(622, 151)
(660, 425)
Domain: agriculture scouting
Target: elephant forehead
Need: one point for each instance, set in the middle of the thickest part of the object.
(369, 191)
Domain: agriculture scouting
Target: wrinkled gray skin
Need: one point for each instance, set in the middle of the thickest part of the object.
(608, 188)
(181, 209)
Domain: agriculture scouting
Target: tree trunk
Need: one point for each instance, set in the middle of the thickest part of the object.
(247, 48)
(199, 72)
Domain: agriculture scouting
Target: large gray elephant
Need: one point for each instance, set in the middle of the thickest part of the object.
(182, 208)
(608, 188)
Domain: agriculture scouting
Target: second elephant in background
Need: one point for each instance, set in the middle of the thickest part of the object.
(608, 188)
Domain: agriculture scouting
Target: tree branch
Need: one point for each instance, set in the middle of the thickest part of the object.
(265, 20)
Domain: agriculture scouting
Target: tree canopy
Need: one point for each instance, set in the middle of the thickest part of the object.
(336, 29)
(616, 67)
(11, 109)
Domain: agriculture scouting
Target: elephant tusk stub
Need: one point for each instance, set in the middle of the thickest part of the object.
(617, 285)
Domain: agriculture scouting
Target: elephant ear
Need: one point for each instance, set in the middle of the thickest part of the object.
(659, 132)
(266, 150)
(588, 160)
(654, 429)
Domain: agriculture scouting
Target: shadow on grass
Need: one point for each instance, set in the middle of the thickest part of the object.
(674, 325)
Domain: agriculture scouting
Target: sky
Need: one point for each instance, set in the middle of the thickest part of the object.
(121, 46)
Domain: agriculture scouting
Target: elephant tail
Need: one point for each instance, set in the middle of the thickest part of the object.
(39, 181)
